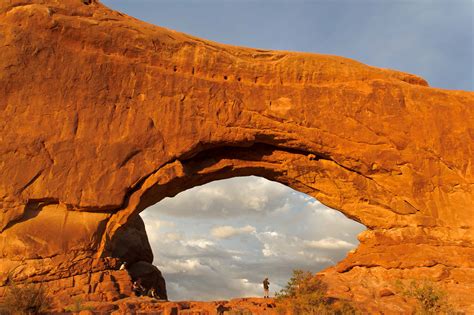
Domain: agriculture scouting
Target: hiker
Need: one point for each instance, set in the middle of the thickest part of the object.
(137, 288)
(266, 287)
(221, 309)
(152, 293)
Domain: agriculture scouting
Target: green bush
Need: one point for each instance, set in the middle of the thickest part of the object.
(78, 306)
(306, 294)
(431, 300)
(24, 299)
(303, 283)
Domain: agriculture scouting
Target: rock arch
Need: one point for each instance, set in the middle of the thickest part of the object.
(103, 115)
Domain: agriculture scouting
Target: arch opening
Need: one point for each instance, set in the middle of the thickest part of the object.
(230, 233)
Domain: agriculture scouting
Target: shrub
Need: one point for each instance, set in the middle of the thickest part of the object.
(78, 306)
(24, 299)
(431, 300)
(303, 283)
(306, 294)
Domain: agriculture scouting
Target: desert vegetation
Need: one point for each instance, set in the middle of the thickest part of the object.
(78, 306)
(431, 299)
(306, 294)
(24, 299)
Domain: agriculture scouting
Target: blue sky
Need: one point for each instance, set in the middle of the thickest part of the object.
(229, 234)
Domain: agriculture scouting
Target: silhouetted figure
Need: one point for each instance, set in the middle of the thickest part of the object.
(266, 288)
(137, 288)
(152, 293)
(221, 309)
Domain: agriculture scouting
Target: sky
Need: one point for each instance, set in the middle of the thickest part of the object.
(220, 240)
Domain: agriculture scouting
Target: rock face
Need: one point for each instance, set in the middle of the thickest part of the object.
(104, 115)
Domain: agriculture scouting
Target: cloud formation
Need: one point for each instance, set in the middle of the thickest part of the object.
(215, 201)
(268, 235)
(329, 243)
(227, 231)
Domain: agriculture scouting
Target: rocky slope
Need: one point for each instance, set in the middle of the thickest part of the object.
(104, 115)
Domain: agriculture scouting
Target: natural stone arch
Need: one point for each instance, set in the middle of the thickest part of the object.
(246, 227)
(116, 114)
(301, 171)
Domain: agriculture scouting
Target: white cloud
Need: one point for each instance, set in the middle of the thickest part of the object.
(192, 265)
(171, 237)
(267, 252)
(201, 243)
(226, 231)
(256, 202)
(280, 245)
(329, 243)
(157, 224)
(251, 288)
(227, 198)
(156, 237)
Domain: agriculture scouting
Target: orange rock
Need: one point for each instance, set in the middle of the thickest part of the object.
(385, 292)
(104, 115)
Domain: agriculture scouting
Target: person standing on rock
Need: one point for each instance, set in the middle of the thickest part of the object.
(123, 266)
(137, 287)
(266, 287)
(152, 293)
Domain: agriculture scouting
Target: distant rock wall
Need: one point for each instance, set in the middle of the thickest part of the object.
(104, 115)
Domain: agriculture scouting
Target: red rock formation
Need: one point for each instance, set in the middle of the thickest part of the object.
(104, 115)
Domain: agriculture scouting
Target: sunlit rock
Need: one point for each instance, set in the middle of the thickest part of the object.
(104, 115)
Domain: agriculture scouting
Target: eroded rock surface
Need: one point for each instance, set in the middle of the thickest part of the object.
(104, 115)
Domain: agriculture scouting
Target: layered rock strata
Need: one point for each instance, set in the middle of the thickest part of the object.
(104, 115)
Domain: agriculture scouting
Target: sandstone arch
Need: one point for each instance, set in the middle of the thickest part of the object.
(103, 115)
